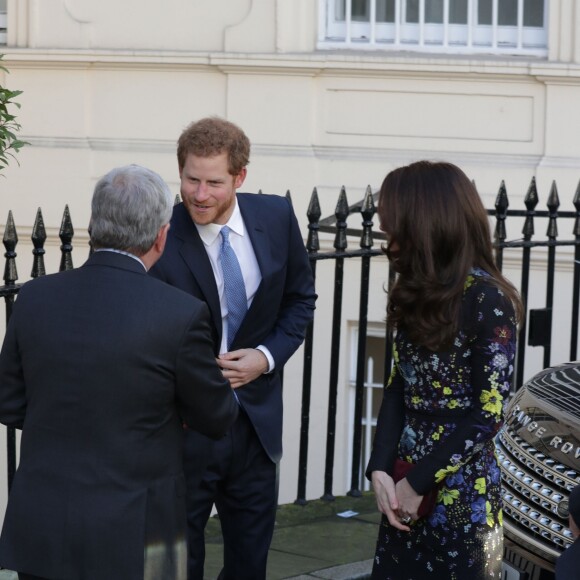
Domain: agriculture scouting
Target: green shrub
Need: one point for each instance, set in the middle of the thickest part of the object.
(9, 142)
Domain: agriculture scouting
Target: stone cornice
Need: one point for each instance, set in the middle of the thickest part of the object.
(347, 63)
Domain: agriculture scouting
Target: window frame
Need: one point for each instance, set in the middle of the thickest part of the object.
(469, 38)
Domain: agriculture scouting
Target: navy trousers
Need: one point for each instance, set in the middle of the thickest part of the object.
(236, 475)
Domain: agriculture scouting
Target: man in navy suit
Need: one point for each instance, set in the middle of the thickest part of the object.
(240, 469)
(100, 367)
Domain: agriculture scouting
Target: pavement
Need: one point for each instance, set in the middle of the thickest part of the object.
(322, 539)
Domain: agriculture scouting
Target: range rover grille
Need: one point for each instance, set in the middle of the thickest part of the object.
(533, 486)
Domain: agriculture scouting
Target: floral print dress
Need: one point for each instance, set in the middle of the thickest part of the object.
(440, 411)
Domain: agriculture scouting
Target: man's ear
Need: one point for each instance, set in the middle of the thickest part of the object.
(161, 238)
(240, 177)
(156, 250)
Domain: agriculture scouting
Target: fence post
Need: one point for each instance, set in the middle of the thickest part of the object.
(10, 241)
(501, 207)
(552, 233)
(576, 279)
(531, 201)
(312, 246)
(366, 243)
(340, 244)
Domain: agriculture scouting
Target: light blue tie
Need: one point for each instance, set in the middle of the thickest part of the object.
(234, 287)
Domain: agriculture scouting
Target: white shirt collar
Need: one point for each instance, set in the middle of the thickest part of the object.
(123, 253)
(209, 232)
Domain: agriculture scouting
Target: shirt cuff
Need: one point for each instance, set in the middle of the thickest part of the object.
(267, 354)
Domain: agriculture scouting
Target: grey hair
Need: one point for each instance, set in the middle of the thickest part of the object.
(130, 204)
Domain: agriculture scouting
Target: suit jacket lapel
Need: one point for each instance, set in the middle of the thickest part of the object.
(253, 220)
(195, 256)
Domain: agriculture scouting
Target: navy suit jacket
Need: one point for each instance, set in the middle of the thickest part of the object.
(100, 366)
(280, 311)
(568, 564)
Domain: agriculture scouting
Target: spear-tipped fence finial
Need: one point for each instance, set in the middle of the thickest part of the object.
(313, 213)
(38, 238)
(553, 204)
(10, 240)
(66, 234)
(341, 213)
(367, 211)
(531, 201)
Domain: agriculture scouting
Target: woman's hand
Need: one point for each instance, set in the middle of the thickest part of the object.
(386, 497)
(408, 500)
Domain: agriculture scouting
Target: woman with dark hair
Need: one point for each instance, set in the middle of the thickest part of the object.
(455, 320)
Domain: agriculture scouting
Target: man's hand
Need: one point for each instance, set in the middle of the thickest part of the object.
(242, 366)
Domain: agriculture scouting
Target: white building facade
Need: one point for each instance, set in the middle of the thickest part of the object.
(331, 93)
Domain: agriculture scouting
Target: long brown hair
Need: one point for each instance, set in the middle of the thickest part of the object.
(437, 231)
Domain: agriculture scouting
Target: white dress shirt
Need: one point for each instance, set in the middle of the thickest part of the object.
(242, 246)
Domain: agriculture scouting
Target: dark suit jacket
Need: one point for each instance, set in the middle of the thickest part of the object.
(99, 367)
(280, 311)
(568, 564)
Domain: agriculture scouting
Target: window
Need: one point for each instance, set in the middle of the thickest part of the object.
(461, 26)
(2, 21)
(372, 398)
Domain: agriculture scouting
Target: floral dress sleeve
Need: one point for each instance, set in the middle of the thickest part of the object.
(490, 333)
(389, 423)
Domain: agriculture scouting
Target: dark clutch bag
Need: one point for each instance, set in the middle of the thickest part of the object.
(400, 470)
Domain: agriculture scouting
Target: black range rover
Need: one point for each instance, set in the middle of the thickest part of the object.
(539, 454)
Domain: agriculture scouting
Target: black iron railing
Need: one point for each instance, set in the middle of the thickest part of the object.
(11, 288)
(536, 326)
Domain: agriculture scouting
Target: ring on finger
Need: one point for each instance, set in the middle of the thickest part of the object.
(406, 520)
